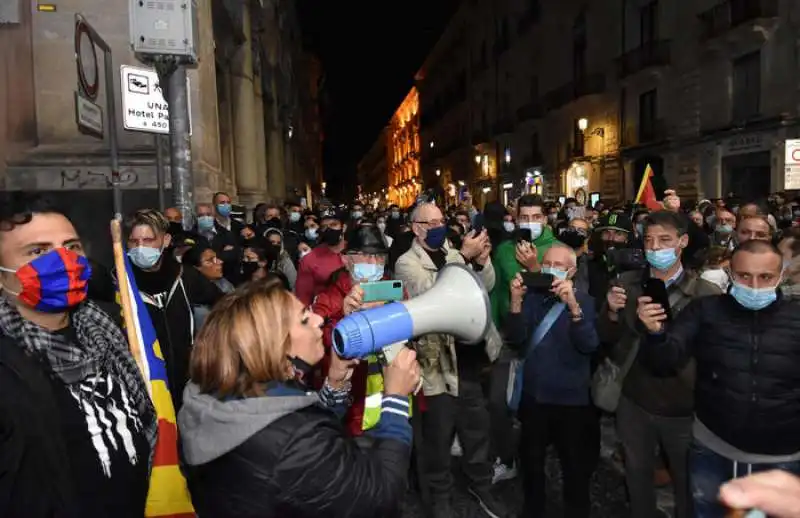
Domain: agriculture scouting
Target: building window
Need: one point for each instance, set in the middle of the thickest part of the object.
(648, 116)
(578, 140)
(648, 19)
(747, 87)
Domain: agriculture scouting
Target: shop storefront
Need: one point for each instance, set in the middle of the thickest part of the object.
(578, 181)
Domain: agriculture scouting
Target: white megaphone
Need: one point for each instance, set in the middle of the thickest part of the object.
(456, 305)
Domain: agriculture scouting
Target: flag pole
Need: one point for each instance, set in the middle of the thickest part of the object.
(645, 177)
(124, 293)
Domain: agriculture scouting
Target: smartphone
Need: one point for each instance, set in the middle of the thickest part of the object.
(383, 291)
(657, 290)
(524, 234)
(537, 281)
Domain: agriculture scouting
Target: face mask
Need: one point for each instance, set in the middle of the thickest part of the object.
(751, 298)
(205, 223)
(357, 214)
(724, 229)
(331, 237)
(368, 272)
(640, 229)
(144, 257)
(555, 272)
(572, 238)
(311, 233)
(717, 276)
(303, 254)
(381, 227)
(661, 259)
(224, 209)
(395, 215)
(249, 269)
(536, 229)
(294, 217)
(435, 237)
(273, 223)
(509, 226)
(53, 282)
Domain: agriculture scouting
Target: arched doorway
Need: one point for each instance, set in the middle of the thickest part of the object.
(659, 181)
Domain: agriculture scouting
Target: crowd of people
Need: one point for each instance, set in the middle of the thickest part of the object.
(681, 322)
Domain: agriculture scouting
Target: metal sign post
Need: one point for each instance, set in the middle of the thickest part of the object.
(86, 35)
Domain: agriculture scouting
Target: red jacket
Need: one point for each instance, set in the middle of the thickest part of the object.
(329, 304)
(315, 271)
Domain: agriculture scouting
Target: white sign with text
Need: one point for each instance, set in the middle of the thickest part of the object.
(143, 105)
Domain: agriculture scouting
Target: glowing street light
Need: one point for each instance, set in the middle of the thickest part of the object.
(583, 123)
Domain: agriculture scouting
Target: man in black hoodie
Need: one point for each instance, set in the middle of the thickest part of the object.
(168, 290)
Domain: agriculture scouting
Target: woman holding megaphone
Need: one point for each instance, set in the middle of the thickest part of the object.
(258, 443)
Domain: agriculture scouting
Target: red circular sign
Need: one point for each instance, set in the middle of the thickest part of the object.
(86, 60)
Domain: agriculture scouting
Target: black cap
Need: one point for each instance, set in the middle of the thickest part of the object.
(366, 239)
(614, 221)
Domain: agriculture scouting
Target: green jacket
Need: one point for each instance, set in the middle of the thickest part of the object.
(506, 267)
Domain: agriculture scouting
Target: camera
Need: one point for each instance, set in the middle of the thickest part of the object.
(626, 259)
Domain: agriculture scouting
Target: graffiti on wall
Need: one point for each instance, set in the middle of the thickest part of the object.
(89, 179)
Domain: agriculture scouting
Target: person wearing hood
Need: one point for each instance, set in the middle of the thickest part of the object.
(258, 443)
(280, 260)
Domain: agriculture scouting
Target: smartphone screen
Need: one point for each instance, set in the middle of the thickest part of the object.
(657, 290)
(537, 281)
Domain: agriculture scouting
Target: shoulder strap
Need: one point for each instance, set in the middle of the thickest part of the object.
(544, 326)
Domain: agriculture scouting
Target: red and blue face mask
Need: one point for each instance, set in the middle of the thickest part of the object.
(53, 282)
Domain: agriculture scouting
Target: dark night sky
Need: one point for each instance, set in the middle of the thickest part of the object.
(370, 52)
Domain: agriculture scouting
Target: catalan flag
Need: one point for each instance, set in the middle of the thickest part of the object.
(168, 496)
(647, 194)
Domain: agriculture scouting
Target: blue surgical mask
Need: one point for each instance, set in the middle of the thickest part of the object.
(224, 209)
(555, 272)
(509, 226)
(294, 217)
(436, 237)
(536, 229)
(311, 233)
(144, 257)
(752, 298)
(640, 229)
(368, 272)
(357, 214)
(661, 259)
(205, 223)
(395, 214)
(724, 229)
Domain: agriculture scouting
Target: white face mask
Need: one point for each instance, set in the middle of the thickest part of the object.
(381, 227)
(717, 276)
(509, 226)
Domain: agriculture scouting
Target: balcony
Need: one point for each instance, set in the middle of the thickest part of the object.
(565, 94)
(643, 134)
(503, 126)
(732, 13)
(648, 55)
(532, 110)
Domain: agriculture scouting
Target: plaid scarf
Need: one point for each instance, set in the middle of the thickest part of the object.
(101, 348)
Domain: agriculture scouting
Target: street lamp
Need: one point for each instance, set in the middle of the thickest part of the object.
(433, 144)
(478, 159)
(583, 123)
(508, 155)
(438, 172)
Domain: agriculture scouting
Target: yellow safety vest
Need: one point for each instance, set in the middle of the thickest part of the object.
(374, 394)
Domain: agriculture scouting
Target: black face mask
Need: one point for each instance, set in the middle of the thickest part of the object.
(331, 237)
(249, 269)
(572, 238)
(273, 223)
(302, 370)
(175, 229)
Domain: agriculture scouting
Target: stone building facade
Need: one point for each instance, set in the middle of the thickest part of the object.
(253, 96)
(574, 98)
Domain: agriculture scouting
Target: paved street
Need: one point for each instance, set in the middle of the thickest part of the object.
(609, 499)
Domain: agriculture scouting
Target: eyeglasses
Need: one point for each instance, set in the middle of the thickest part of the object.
(432, 223)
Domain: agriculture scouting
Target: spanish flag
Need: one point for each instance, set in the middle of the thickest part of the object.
(168, 496)
(647, 195)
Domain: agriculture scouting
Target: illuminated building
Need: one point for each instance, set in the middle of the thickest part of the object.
(403, 150)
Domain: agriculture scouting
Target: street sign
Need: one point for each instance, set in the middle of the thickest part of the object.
(143, 105)
(791, 178)
(89, 116)
(86, 60)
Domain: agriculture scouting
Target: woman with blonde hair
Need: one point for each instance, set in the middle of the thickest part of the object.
(259, 444)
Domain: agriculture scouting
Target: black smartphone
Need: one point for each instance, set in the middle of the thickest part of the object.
(657, 291)
(537, 281)
(523, 234)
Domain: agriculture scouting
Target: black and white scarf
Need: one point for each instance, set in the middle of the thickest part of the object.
(101, 348)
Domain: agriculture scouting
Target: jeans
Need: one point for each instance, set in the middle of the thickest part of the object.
(571, 430)
(445, 416)
(709, 470)
(640, 433)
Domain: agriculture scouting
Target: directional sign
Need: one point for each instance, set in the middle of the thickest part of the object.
(143, 105)
(89, 116)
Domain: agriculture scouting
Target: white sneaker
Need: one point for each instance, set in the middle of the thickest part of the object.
(503, 472)
(455, 449)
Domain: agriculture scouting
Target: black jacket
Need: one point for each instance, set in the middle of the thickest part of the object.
(747, 389)
(301, 465)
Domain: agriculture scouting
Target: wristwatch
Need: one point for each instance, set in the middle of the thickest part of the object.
(579, 316)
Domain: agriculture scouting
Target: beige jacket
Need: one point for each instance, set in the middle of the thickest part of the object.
(436, 352)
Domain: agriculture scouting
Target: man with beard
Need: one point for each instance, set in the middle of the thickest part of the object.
(316, 268)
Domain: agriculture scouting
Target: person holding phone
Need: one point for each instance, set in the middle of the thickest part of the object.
(554, 331)
(653, 410)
